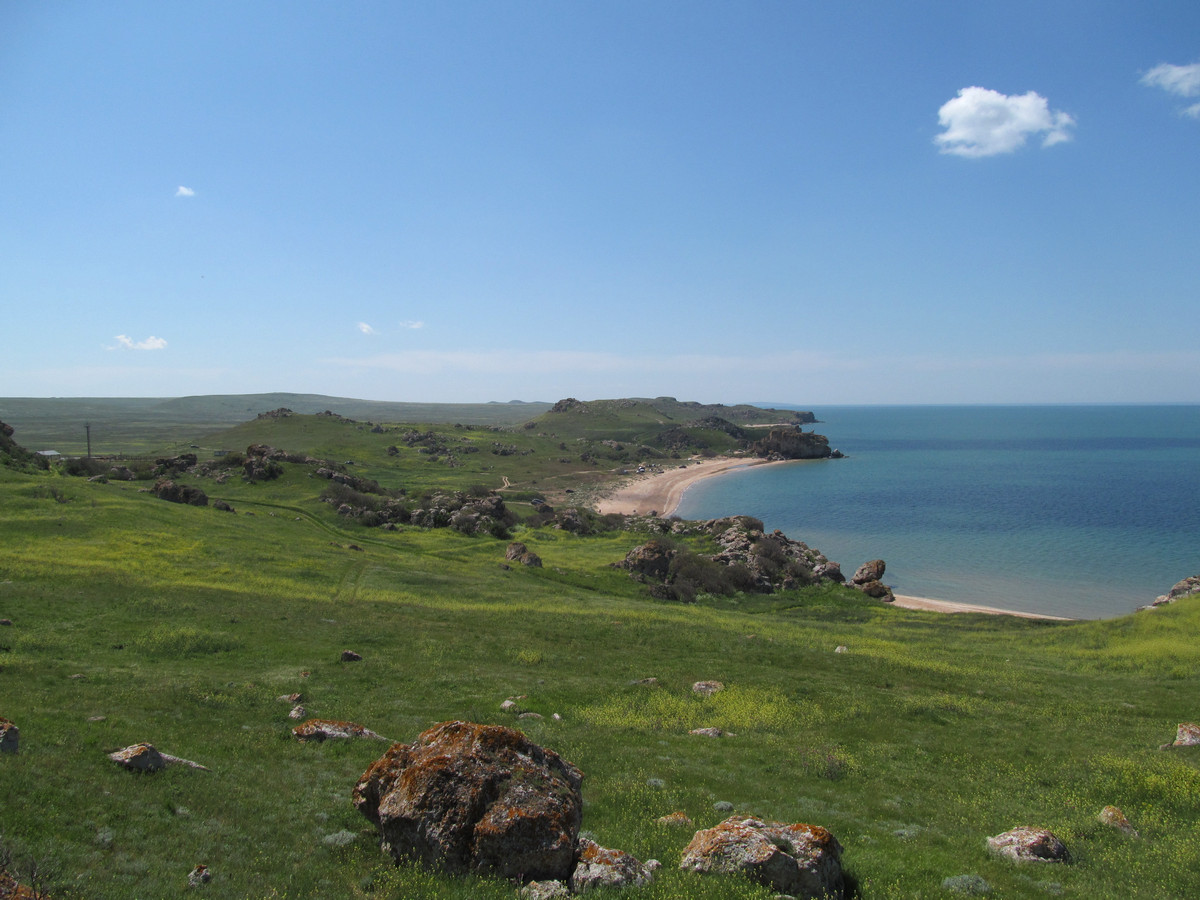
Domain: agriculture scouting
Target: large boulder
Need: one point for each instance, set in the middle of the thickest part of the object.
(10, 736)
(868, 572)
(800, 860)
(651, 560)
(1187, 734)
(165, 489)
(465, 797)
(1185, 588)
(1026, 844)
(518, 552)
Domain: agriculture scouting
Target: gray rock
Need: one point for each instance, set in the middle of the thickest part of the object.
(600, 867)
(1187, 734)
(1027, 844)
(10, 736)
(971, 885)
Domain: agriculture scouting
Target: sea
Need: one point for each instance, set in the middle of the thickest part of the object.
(1080, 511)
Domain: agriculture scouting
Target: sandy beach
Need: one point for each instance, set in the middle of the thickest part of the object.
(661, 492)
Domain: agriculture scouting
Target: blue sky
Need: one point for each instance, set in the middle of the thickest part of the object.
(808, 202)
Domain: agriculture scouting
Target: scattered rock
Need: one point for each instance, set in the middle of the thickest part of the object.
(509, 706)
(600, 867)
(645, 681)
(332, 730)
(1026, 844)
(711, 732)
(223, 506)
(10, 736)
(544, 890)
(971, 885)
(841, 648)
(199, 875)
(165, 489)
(723, 806)
(673, 819)
(530, 715)
(650, 560)
(476, 798)
(1187, 734)
(707, 688)
(339, 838)
(1183, 588)
(1114, 818)
(801, 860)
(145, 757)
(518, 552)
(6, 622)
(297, 712)
(350, 656)
(290, 698)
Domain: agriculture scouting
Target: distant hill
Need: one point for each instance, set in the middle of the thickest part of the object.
(135, 424)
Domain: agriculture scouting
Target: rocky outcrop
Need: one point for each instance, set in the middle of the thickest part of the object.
(465, 797)
(799, 860)
(1026, 844)
(790, 442)
(165, 489)
(1185, 588)
(650, 560)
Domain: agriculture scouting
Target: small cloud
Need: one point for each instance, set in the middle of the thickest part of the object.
(981, 122)
(365, 328)
(412, 324)
(1182, 81)
(124, 342)
(182, 191)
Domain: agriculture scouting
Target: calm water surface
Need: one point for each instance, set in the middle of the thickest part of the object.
(1086, 511)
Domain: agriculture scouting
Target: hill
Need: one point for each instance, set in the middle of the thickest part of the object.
(911, 736)
(134, 425)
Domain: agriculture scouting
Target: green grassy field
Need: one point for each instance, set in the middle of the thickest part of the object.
(134, 619)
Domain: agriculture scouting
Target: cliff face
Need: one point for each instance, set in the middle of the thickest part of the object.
(788, 442)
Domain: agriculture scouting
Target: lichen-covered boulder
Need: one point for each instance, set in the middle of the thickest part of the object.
(1026, 844)
(597, 867)
(139, 758)
(650, 560)
(466, 797)
(800, 860)
(10, 736)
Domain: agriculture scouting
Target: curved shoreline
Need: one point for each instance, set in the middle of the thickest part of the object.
(662, 492)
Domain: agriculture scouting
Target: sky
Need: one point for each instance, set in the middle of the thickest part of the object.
(791, 201)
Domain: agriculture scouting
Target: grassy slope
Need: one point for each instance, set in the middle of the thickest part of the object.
(186, 623)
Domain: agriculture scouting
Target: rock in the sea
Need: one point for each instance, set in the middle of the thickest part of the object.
(600, 867)
(1187, 734)
(332, 730)
(800, 860)
(1026, 844)
(466, 797)
(10, 736)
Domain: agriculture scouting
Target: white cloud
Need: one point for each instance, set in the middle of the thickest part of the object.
(412, 324)
(1182, 81)
(982, 122)
(365, 328)
(184, 192)
(124, 342)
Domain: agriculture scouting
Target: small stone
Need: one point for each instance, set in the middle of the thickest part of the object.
(600, 867)
(199, 875)
(5, 622)
(556, 717)
(508, 705)
(350, 656)
(530, 715)
(339, 838)
(677, 818)
(723, 806)
(545, 890)
(657, 783)
(297, 712)
(841, 648)
(971, 885)
(707, 688)
(289, 698)
(96, 718)
(331, 729)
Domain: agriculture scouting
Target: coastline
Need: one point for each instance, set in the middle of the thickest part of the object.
(662, 492)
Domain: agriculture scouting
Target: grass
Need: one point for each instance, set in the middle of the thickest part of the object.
(135, 619)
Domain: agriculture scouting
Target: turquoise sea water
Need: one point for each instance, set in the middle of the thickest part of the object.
(1083, 511)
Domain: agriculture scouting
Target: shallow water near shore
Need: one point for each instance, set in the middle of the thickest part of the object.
(1082, 511)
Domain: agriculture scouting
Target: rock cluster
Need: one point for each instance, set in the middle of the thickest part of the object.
(518, 552)
(798, 860)
(867, 578)
(332, 730)
(165, 489)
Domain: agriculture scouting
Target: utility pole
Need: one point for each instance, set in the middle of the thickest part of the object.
(88, 427)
